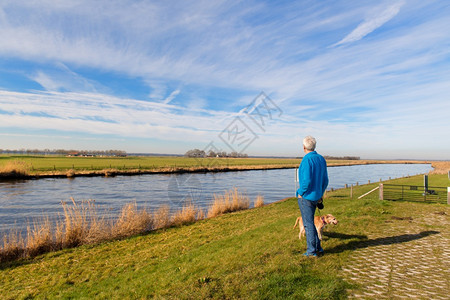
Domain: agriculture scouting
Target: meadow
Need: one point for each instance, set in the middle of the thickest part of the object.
(251, 253)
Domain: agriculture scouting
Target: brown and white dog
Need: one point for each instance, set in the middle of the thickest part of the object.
(319, 221)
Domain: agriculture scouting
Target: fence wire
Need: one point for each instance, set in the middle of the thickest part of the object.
(414, 193)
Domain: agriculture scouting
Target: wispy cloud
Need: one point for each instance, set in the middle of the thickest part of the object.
(100, 114)
(171, 96)
(62, 78)
(372, 23)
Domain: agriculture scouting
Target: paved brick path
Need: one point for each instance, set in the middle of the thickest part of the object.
(410, 258)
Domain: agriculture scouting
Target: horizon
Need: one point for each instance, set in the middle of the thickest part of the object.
(327, 156)
(365, 79)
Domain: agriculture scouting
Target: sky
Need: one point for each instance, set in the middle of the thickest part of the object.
(365, 78)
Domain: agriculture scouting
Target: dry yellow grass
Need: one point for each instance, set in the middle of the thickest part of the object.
(231, 201)
(188, 214)
(39, 237)
(201, 214)
(259, 201)
(110, 172)
(15, 168)
(70, 173)
(132, 221)
(161, 217)
(13, 246)
(440, 167)
(76, 223)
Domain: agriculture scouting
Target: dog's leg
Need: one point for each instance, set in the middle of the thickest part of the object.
(301, 233)
(319, 233)
(296, 222)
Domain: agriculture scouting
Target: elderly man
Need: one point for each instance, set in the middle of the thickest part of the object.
(313, 179)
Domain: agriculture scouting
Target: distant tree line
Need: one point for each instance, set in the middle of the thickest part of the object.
(66, 152)
(211, 153)
(342, 157)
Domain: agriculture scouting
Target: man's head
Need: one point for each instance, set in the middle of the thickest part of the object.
(309, 144)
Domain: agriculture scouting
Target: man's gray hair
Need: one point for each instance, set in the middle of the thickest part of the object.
(309, 143)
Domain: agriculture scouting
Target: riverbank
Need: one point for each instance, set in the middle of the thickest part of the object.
(33, 167)
(252, 254)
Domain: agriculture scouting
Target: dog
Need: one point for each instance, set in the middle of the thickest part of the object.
(319, 221)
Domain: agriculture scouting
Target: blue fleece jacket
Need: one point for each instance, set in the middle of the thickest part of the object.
(312, 176)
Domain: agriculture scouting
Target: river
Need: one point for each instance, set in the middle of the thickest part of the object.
(23, 201)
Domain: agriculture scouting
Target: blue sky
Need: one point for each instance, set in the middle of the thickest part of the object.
(366, 78)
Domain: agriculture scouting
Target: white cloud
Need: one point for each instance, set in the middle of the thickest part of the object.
(372, 23)
(171, 96)
(100, 114)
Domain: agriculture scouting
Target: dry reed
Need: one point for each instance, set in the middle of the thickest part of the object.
(201, 214)
(231, 201)
(75, 223)
(187, 215)
(161, 218)
(440, 167)
(15, 168)
(39, 237)
(132, 221)
(13, 246)
(259, 201)
(70, 173)
(110, 172)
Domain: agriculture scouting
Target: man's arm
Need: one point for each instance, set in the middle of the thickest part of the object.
(304, 177)
(325, 179)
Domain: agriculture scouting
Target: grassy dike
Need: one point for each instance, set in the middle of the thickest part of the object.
(248, 254)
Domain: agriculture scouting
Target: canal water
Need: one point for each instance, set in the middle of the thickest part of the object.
(23, 201)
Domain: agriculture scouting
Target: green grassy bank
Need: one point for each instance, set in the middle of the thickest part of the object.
(248, 254)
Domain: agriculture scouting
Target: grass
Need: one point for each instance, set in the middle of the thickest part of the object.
(58, 162)
(251, 254)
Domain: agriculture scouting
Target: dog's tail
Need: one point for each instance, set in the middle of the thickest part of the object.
(296, 222)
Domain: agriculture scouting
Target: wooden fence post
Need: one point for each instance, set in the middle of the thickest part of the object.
(448, 195)
(381, 192)
(351, 191)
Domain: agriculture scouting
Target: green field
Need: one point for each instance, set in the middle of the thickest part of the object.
(252, 254)
(60, 163)
(50, 164)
